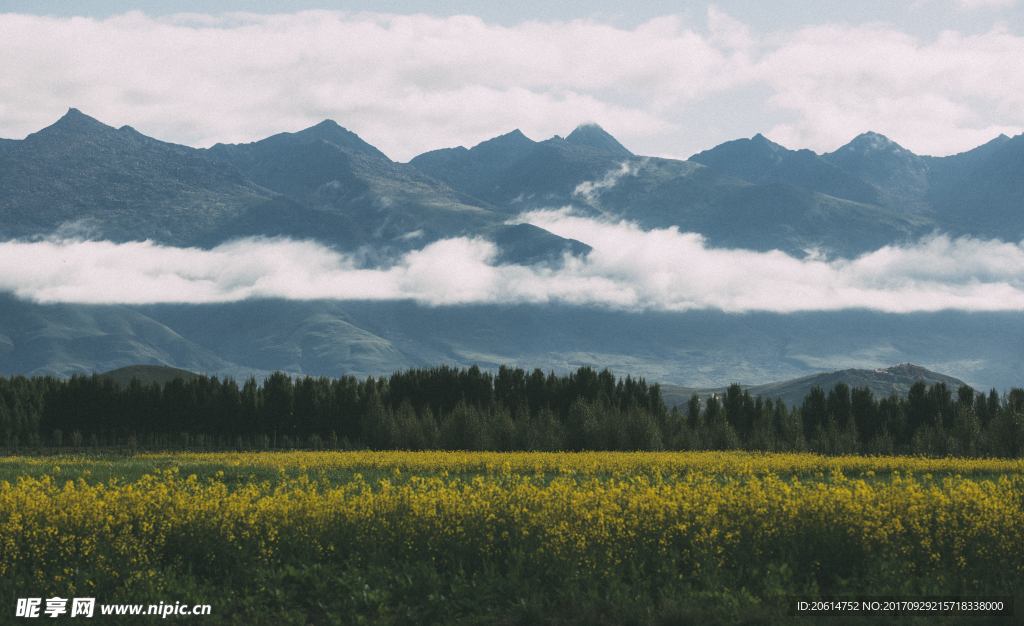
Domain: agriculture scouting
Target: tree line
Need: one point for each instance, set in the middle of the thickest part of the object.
(468, 409)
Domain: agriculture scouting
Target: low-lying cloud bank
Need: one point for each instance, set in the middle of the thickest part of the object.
(629, 268)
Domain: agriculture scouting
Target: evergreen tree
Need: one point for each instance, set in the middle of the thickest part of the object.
(502, 428)
(941, 405)
(839, 404)
(1015, 400)
(993, 404)
(464, 428)
(920, 408)
(228, 410)
(377, 428)
(865, 414)
(279, 405)
(345, 412)
(814, 412)
(732, 403)
(966, 434)
(408, 433)
(693, 411)
(892, 416)
(251, 410)
(642, 431)
(581, 426)
(965, 396)
(510, 386)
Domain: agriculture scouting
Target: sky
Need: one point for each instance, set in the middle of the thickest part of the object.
(665, 78)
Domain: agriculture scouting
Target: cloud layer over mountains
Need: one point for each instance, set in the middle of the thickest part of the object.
(671, 86)
(629, 268)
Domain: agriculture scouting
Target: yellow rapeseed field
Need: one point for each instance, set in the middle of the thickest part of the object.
(614, 463)
(611, 463)
(793, 522)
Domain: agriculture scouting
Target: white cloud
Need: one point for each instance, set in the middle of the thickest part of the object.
(412, 83)
(629, 268)
(974, 5)
(939, 97)
(406, 83)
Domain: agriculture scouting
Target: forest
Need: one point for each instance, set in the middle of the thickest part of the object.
(468, 409)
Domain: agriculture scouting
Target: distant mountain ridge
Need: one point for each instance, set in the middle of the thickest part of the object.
(82, 177)
(751, 193)
(148, 374)
(760, 161)
(882, 382)
(326, 183)
(979, 192)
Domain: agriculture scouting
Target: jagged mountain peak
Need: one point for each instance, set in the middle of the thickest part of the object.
(891, 168)
(992, 145)
(327, 125)
(766, 146)
(74, 122)
(758, 146)
(331, 132)
(76, 131)
(873, 142)
(327, 131)
(591, 135)
(74, 116)
(474, 171)
(515, 140)
(761, 161)
(760, 139)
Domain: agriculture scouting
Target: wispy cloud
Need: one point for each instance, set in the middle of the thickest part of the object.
(591, 189)
(629, 268)
(413, 83)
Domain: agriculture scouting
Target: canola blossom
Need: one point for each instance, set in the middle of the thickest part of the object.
(606, 463)
(613, 463)
(698, 519)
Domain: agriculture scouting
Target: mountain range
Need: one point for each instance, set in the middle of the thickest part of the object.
(328, 184)
(80, 177)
